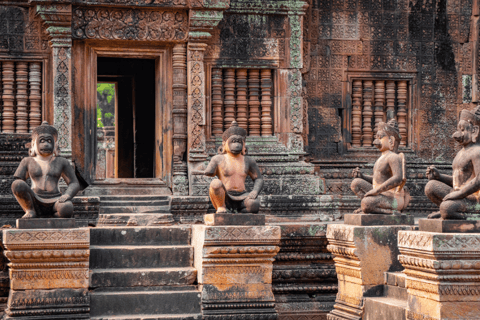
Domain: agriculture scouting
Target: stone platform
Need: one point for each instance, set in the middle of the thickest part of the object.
(378, 219)
(229, 219)
(449, 226)
(42, 223)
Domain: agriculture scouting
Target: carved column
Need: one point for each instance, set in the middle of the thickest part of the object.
(180, 180)
(390, 95)
(402, 111)
(229, 85)
(379, 102)
(35, 97)
(241, 101)
(367, 114)
(217, 103)
(266, 86)
(196, 101)
(21, 77)
(58, 24)
(254, 102)
(8, 96)
(357, 113)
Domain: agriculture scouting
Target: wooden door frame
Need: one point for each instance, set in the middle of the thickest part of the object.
(85, 100)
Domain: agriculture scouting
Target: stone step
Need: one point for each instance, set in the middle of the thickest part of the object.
(101, 278)
(142, 197)
(106, 257)
(135, 209)
(160, 236)
(395, 292)
(106, 190)
(122, 304)
(134, 219)
(384, 308)
(194, 316)
(127, 202)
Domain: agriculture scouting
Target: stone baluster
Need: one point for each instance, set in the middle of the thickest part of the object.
(402, 111)
(390, 97)
(21, 81)
(217, 103)
(35, 97)
(8, 96)
(254, 102)
(357, 113)
(379, 102)
(241, 101)
(266, 85)
(229, 101)
(367, 114)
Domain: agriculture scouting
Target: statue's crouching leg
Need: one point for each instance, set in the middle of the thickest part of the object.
(24, 195)
(217, 195)
(382, 204)
(360, 187)
(251, 205)
(453, 209)
(436, 190)
(63, 209)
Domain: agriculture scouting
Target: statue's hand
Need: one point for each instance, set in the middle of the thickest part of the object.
(371, 193)
(356, 173)
(455, 195)
(64, 198)
(252, 195)
(432, 173)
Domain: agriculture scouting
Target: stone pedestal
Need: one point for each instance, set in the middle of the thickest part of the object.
(362, 255)
(442, 274)
(229, 219)
(48, 273)
(234, 265)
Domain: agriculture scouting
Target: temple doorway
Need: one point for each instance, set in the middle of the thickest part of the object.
(126, 118)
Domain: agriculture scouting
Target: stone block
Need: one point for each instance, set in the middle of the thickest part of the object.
(362, 255)
(147, 236)
(441, 274)
(46, 223)
(234, 265)
(378, 219)
(449, 226)
(228, 219)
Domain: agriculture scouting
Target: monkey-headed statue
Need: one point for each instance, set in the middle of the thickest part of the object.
(384, 192)
(45, 168)
(232, 166)
(459, 194)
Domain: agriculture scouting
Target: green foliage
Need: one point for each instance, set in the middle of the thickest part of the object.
(99, 117)
(108, 88)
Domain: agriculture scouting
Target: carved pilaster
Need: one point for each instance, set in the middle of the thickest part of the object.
(180, 180)
(367, 114)
(379, 102)
(241, 101)
(390, 96)
(229, 84)
(35, 82)
(57, 19)
(357, 113)
(8, 96)
(266, 85)
(402, 111)
(21, 79)
(217, 103)
(254, 102)
(196, 101)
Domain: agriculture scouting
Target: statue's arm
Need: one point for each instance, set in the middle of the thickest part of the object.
(367, 178)
(433, 174)
(445, 178)
(470, 187)
(396, 165)
(356, 173)
(22, 170)
(70, 178)
(256, 175)
(211, 170)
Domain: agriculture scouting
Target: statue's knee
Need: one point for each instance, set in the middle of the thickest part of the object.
(252, 205)
(431, 188)
(19, 186)
(355, 184)
(367, 204)
(216, 185)
(65, 209)
(447, 208)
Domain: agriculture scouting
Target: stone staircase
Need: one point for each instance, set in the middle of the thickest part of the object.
(393, 304)
(143, 273)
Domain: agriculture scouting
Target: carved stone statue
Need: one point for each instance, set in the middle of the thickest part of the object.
(384, 192)
(44, 167)
(231, 167)
(460, 193)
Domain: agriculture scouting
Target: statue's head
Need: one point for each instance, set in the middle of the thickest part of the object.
(233, 140)
(388, 136)
(44, 141)
(467, 127)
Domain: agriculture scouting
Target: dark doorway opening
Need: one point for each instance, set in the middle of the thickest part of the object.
(134, 114)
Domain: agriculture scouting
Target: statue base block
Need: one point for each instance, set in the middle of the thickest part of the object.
(230, 219)
(449, 226)
(378, 220)
(46, 223)
(441, 274)
(362, 255)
